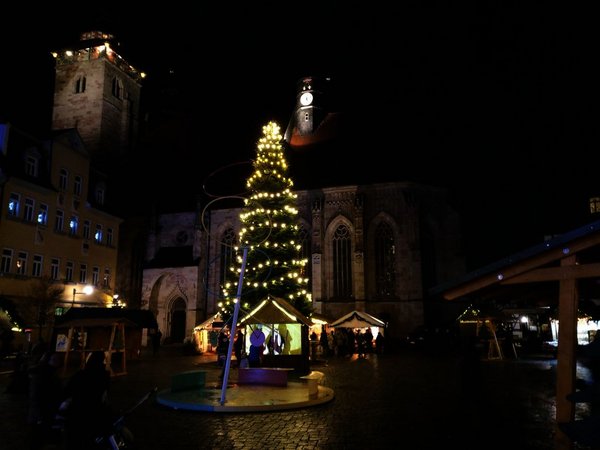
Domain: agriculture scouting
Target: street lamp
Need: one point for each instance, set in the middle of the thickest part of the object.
(86, 290)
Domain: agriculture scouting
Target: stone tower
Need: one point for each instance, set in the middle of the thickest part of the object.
(307, 124)
(97, 92)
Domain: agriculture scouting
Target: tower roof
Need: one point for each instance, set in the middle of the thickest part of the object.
(96, 45)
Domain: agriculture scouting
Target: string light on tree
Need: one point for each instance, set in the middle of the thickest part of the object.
(271, 232)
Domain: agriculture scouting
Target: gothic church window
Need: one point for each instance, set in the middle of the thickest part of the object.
(385, 252)
(342, 262)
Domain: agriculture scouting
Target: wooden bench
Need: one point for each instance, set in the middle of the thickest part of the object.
(313, 379)
(271, 376)
(188, 380)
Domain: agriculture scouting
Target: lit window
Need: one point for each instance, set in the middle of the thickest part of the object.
(14, 204)
(73, 225)
(95, 275)
(42, 217)
(22, 263)
(98, 234)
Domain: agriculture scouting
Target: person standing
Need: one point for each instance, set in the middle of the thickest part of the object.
(89, 414)
(156, 338)
(45, 396)
(257, 348)
(368, 340)
(222, 347)
(239, 345)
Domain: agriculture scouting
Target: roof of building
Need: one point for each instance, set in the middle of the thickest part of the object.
(142, 318)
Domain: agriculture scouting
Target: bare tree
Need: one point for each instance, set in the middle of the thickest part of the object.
(46, 294)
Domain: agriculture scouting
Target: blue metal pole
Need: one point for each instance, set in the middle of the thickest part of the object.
(236, 311)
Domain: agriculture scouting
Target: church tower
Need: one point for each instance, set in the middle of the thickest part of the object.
(98, 93)
(311, 109)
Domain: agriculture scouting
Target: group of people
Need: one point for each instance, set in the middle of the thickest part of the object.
(81, 401)
(346, 341)
(251, 358)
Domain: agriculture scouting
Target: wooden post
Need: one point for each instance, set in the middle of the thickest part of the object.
(566, 361)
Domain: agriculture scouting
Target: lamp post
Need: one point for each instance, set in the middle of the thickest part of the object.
(86, 290)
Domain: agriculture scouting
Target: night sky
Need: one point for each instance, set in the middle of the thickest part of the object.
(495, 103)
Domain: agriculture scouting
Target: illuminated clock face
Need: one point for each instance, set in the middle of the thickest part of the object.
(306, 99)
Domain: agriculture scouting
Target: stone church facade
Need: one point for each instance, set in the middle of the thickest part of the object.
(375, 248)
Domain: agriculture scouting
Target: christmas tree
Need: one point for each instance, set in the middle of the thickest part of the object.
(270, 232)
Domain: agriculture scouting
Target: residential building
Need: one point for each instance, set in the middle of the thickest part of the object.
(56, 234)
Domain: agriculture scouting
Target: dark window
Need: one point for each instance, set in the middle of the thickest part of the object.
(80, 84)
(385, 268)
(63, 179)
(342, 262)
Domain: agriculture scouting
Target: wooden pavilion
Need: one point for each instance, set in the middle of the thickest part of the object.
(570, 265)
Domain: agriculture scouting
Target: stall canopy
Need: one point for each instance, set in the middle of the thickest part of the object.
(357, 319)
(213, 323)
(274, 310)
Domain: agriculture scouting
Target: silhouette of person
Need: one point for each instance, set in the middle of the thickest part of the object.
(238, 346)
(45, 396)
(379, 343)
(156, 338)
(89, 414)
(222, 348)
(257, 339)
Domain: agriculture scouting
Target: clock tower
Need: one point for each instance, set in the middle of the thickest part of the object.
(98, 93)
(309, 112)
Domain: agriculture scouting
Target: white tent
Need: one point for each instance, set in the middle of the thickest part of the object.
(205, 334)
(357, 319)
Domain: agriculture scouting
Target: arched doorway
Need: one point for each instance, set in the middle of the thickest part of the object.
(178, 312)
